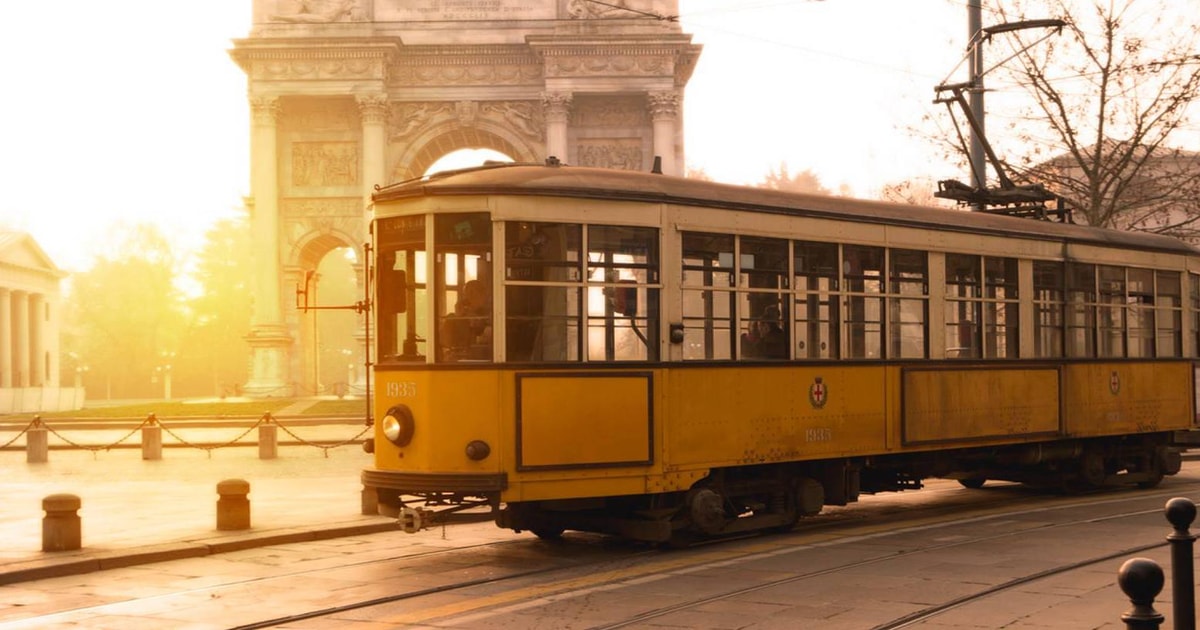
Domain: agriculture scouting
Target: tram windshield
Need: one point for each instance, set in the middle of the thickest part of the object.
(401, 293)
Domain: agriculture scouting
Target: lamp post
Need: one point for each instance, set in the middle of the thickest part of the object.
(165, 370)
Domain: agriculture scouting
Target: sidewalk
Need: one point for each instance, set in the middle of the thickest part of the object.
(136, 511)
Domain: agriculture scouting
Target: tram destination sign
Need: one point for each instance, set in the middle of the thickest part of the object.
(459, 10)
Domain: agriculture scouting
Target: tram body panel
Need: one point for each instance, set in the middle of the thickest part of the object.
(732, 416)
(1127, 398)
(450, 409)
(970, 406)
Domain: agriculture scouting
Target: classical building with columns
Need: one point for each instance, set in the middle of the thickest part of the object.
(347, 95)
(30, 316)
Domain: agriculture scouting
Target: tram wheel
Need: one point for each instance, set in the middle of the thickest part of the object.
(973, 483)
(548, 533)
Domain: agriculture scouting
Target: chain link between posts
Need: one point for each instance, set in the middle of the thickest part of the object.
(151, 420)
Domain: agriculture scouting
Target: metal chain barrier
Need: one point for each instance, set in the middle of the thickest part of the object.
(96, 448)
(209, 448)
(323, 447)
(151, 420)
(36, 422)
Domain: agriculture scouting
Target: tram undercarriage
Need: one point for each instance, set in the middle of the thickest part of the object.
(773, 497)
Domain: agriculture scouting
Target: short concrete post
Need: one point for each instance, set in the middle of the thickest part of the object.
(1142, 580)
(370, 501)
(61, 527)
(233, 508)
(151, 439)
(37, 443)
(268, 438)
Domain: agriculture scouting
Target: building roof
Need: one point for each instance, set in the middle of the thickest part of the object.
(19, 252)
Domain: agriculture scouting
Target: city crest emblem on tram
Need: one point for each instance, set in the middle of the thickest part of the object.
(1114, 383)
(818, 394)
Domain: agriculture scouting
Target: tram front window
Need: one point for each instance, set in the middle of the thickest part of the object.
(463, 273)
(401, 290)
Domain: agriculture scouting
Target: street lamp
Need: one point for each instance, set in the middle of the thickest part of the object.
(165, 370)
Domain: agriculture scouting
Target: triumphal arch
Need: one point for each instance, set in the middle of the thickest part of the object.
(349, 94)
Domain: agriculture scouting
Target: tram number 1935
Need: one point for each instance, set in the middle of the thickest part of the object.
(401, 389)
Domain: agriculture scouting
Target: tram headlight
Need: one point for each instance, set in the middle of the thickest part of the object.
(398, 425)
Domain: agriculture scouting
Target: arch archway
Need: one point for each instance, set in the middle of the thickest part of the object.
(347, 100)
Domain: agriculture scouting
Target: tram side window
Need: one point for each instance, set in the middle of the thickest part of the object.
(908, 306)
(462, 286)
(622, 305)
(543, 279)
(1048, 309)
(1081, 310)
(1194, 285)
(762, 281)
(1140, 312)
(863, 282)
(1000, 308)
(708, 298)
(1110, 327)
(1168, 314)
(401, 290)
(817, 301)
(963, 305)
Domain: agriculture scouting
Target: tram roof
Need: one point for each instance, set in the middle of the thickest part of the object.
(622, 185)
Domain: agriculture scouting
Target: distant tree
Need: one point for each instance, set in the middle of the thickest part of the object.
(123, 317)
(1107, 100)
(219, 314)
(697, 173)
(917, 192)
(805, 181)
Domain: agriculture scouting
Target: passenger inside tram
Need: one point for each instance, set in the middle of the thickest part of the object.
(466, 333)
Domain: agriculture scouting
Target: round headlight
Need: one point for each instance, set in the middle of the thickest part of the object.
(398, 425)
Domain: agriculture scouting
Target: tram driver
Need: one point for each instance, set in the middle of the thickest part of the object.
(466, 334)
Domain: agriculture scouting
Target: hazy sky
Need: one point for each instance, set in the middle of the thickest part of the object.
(132, 110)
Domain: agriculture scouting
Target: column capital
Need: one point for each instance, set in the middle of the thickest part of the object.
(372, 107)
(265, 110)
(557, 105)
(663, 105)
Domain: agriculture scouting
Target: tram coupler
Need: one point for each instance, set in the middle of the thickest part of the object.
(413, 520)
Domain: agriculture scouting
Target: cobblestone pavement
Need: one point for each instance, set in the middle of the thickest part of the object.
(131, 504)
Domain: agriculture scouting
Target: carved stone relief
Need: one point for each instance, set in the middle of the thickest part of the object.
(319, 115)
(320, 11)
(324, 164)
(498, 66)
(525, 118)
(609, 62)
(618, 153)
(609, 112)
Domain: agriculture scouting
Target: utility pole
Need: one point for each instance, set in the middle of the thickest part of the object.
(975, 38)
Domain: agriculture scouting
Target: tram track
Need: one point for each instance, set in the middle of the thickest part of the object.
(483, 584)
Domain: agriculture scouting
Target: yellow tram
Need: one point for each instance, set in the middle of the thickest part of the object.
(661, 358)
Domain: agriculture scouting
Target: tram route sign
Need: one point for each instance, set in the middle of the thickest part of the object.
(462, 10)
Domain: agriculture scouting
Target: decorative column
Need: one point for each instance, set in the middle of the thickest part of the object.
(269, 340)
(373, 109)
(20, 300)
(37, 340)
(664, 112)
(556, 107)
(6, 335)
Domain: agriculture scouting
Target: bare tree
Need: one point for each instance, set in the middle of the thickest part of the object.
(805, 181)
(1108, 99)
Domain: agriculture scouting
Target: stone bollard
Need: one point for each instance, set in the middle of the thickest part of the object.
(370, 501)
(1180, 514)
(233, 508)
(1141, 579)
(37, 443)
(61, 527)
(268, 439)
(152, 439)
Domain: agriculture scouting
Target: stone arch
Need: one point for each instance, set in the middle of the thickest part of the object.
(304, 258)
(343, 101)
(417, 155)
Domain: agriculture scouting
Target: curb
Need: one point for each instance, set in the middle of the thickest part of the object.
(51, 567)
